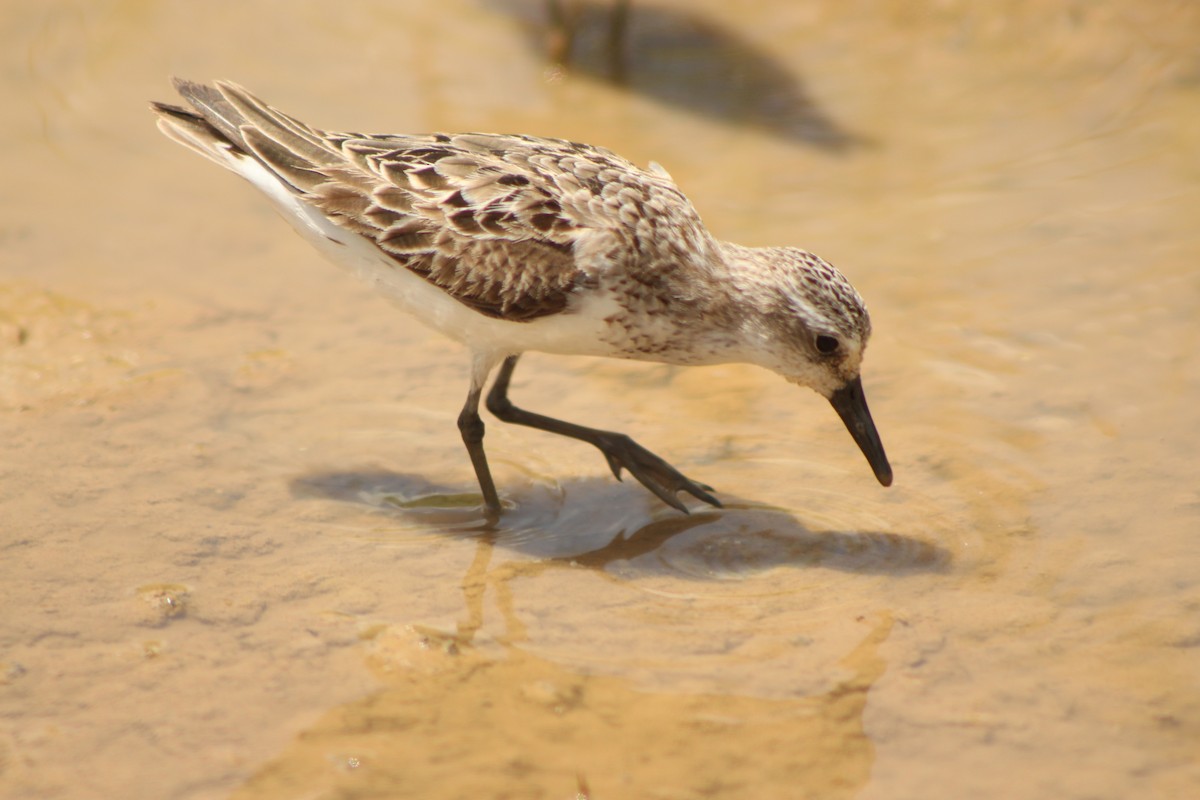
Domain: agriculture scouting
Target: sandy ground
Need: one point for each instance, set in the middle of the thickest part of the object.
(239, 549)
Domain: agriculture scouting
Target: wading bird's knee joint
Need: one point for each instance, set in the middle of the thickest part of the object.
(500, 405)
(471, 426)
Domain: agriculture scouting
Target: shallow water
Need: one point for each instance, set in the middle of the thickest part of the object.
(241, 554)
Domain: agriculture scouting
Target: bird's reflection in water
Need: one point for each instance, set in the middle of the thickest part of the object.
(507, 675)
(682, 58)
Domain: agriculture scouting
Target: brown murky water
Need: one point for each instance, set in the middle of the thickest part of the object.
(239, 556)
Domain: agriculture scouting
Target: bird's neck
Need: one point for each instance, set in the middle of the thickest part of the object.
(742, 268)
(735, 318)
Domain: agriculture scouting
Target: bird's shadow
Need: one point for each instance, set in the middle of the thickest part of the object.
(597, 522)
(684, 59)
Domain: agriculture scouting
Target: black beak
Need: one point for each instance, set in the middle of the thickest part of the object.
(851, 405)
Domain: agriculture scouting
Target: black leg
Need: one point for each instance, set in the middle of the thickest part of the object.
(471, 427)
(655, 474)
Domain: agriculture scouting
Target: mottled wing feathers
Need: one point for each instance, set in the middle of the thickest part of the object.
(491, 233)
(472, 214)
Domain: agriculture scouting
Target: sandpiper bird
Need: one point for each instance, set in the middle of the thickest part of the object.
(515, 243)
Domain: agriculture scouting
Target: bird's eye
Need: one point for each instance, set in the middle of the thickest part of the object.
(826, 344)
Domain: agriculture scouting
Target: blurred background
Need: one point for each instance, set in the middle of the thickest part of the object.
(240, 553)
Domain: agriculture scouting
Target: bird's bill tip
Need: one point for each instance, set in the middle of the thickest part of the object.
(851, 405)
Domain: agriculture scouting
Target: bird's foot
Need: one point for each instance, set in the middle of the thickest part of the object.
(655, 474)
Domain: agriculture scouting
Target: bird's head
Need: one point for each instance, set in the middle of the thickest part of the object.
(812, 329)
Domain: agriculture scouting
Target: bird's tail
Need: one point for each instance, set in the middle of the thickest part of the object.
(227, 124)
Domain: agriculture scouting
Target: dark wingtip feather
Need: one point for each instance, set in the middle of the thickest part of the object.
(212, 105)
(171, 110)
(191, 90)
